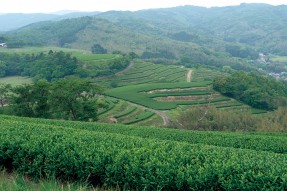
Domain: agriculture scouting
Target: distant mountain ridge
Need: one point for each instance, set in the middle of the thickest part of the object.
(260, 25)
(13, 21)
(204, 35)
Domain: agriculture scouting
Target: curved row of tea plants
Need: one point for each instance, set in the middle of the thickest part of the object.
(125, 113)
(143, 116)
(272, 142)
(144, 72)
(139, 94)
(135, 163)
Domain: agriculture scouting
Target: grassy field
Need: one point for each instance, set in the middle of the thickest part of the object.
(15, 80)
(144, 158)
(16, 182)
(30, 50)
(279, 59)
(82, 55)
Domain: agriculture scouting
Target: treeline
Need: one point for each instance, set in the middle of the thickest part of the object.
(68, 98)
(51, 66)
(255, 90)
(56, 65)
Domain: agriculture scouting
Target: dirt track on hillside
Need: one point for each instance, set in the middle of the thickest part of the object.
(188, 77)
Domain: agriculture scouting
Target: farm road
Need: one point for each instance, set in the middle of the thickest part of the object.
(160, 113)
(188, 77)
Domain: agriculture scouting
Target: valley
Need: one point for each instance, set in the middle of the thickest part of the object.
(181, 98)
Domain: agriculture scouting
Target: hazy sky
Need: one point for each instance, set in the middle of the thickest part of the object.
(29, 6)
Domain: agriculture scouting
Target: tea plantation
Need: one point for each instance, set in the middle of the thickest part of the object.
(143, 158)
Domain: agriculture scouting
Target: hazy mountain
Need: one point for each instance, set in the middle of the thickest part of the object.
(14, 21)
(222, 36)
(260, 25)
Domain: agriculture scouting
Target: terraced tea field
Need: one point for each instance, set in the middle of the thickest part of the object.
(145, 73)
(120, 111)
(145, 92)
(167, 96)
(204, 74)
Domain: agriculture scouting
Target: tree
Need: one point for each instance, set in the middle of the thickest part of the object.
(3, 68)
(74, 99)
(31, 100)
(22, 101)
(70, 98)
(255, 90)
(4, 93)
(98, 49)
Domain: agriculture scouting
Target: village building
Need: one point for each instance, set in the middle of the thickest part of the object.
(3, 45)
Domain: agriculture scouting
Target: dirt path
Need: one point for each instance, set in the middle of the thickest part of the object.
(188, 77)
(160, 113)
(126, 69)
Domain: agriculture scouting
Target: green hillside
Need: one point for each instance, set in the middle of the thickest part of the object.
(259, 25)
(181, 98)
(215, 37)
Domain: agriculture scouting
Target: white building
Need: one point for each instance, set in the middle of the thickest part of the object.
(3, 45)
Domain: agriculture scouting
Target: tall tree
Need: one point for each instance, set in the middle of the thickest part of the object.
(31, 100)
(75, 99)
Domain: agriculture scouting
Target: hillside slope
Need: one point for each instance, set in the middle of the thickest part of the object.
(217, 37)
(13, 21)
(259, 25)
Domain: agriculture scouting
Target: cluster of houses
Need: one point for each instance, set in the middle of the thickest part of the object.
(3, 45)
(281, 75)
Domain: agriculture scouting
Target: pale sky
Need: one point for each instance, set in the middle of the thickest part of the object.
(47, 6)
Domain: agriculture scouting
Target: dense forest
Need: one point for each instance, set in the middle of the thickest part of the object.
(258, 91)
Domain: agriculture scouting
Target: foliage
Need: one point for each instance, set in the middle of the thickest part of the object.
(4, 93)
(271, 142)
(70, 98)
(137, 163)
(158, 54)
(212, 119)
(98, 49)
(255, 90)
(51, 66)
(238, 51)
(59, 32)
(31, 100)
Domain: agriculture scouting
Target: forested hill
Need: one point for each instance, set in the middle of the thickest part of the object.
(260, 25)
(221, 36)
(14, 21)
